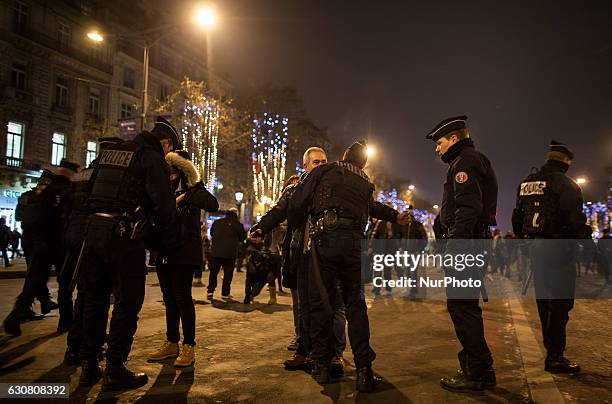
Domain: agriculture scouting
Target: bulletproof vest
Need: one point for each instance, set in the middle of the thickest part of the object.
(29, 209)
(540, 205)
(115, 188)
(81, 188)
(345, 189)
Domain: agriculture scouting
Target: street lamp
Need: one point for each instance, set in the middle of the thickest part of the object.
(205, 17)
(411, 187)
(370, 151)
(581, 180)
(239, 196)
(435, 206)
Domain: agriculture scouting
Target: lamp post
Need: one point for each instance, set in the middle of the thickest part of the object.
(204, 17)
(239, 195)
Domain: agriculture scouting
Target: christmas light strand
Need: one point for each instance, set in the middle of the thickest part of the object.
(269, 156)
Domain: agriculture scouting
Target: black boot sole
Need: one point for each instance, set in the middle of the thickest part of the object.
(123, 385)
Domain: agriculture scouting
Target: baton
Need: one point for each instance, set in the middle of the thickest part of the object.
(77, 268)
(527, 282)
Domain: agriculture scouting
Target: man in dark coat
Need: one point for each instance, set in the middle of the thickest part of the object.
(468, 210)
(226, 234)
(549, 211)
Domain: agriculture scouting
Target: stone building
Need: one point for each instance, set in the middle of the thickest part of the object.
(60, 91)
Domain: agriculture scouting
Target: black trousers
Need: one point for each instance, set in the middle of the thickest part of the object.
(303, 342)
(42, 257)
(5, 255)
(175, 284)
(475, 356)
(554, 315)
(117, 265)
(337, 257)
(228, 273)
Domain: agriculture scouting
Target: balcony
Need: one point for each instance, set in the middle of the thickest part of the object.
(62, 109)
(13, 162)
(12, 93)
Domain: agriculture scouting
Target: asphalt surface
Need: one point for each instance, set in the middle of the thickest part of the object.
(240, 350)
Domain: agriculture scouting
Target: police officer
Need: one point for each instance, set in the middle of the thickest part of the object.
(131, 184)
(70, 319)
(43, 215)
(549, 210)
(337, 199)
(468, 209)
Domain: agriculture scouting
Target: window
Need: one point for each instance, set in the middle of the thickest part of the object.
(64, 34)
(58, 151)
(129, 77)
(126, 110)
(20, 14)
(14, 140)
(94, 102)
(18, 76)
(92, 152)
(61, 92)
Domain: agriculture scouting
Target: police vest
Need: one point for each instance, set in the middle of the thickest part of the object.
(345, 189)
(540, 205)
(81, 188)
(115, 188)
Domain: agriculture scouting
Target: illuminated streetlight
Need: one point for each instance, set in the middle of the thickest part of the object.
(95, 36)
(239, 196)
(205, 17)
(435, 206)
(370, 151)
(581, 180)
(411, 187)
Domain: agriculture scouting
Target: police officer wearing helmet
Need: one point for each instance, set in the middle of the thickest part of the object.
(337, 199)
(71, 318)
(468, 209)
(549, 210)
(131, 186)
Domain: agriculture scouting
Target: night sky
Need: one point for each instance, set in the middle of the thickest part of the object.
(523, 72)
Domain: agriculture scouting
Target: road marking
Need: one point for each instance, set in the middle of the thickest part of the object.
(542, 386)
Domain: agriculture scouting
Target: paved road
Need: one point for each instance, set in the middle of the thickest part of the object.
(241, 348)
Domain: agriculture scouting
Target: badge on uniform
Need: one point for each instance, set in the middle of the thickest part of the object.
(461, 177)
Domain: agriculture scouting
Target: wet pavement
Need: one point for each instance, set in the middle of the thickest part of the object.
(240, 350)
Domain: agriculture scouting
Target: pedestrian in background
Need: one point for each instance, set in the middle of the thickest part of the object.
(226, 234)
(5, 241)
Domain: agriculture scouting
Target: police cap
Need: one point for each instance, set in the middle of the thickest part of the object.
(357, 153)
(109, 140)
(164, 130)
(556, 146)
(69, 165)
(447, 126)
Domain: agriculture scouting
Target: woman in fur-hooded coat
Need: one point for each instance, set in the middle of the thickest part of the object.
(175, 268)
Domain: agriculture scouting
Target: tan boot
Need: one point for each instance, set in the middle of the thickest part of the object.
(272, 290)
(186, 358)
(167, 350)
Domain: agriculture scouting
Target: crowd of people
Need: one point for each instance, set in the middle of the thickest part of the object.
(94, 226)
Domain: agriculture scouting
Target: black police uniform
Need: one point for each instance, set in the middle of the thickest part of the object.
(71, 318)
(549, 210)
(338, 199)
(468, 209)
(131, 183)
(44, 235)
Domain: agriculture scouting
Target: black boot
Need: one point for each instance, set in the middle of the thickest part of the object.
(320, 372)
(71, 357)
(560, 364)
(366, 379)
(488, 377)
(90, 373)
(118, 377)
(462, 383)
(47, 305)
(336, 368)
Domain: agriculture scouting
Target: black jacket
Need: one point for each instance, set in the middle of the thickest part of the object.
(188, 217)
(570, 217)
(470, 192)
(226, 234)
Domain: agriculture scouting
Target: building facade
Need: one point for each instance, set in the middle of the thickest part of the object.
(60, 91)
